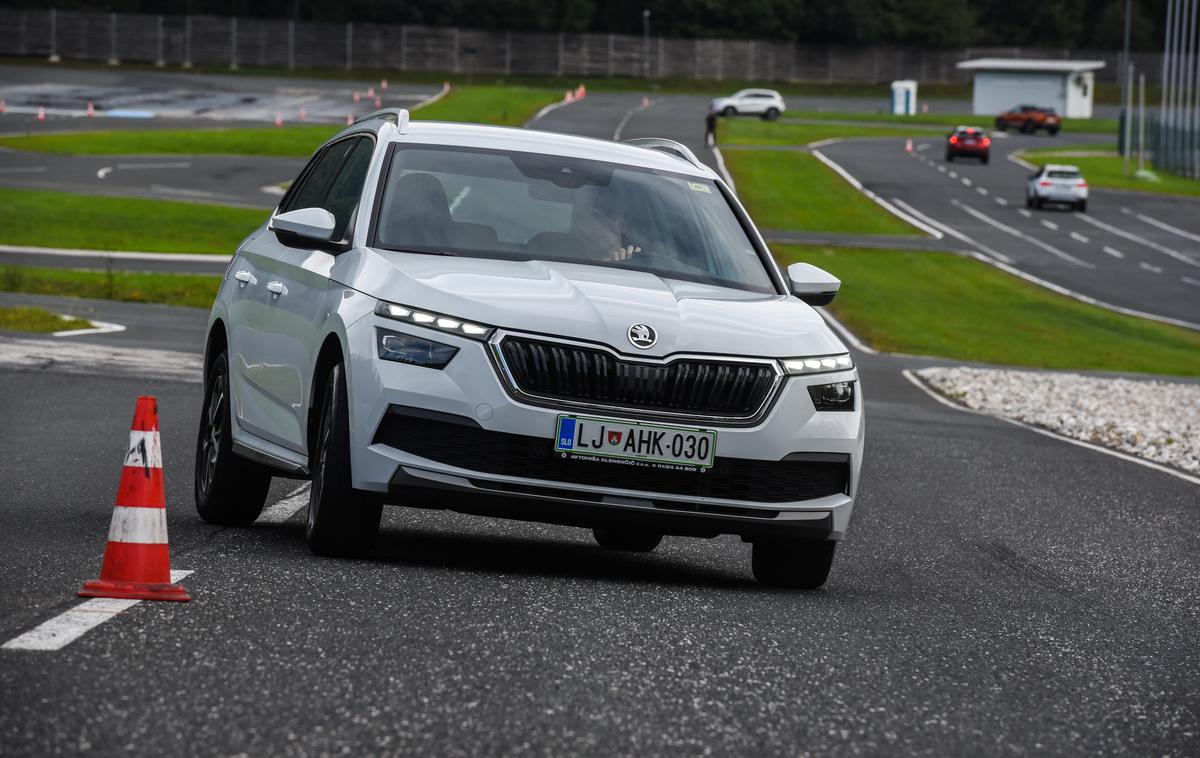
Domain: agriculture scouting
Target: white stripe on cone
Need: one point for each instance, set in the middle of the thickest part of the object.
(145, 450)
(144, 526)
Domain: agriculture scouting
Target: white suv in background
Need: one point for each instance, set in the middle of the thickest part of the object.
(537, 326)
(1054, 183)
(755, 102)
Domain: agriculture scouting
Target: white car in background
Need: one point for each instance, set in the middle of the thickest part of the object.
(1056, 183)
(754, 102)
(537, 326)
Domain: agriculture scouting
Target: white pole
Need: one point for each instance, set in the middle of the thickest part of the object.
(1127, 131)
(1141, 123)
(162, 59)
(54, 36)
(233, 43)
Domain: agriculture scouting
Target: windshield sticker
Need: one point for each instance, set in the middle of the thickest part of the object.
(698, 187)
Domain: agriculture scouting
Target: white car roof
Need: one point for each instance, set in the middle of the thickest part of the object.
(1062, 167)
(528, 141)
(754, 91)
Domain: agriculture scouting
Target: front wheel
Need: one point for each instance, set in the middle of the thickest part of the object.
(229, 490)
(627, 539)
(1053, 130)
(771, 114)
(342, 521)
(729, 111)
(794, 564)
(1001, 124)
(1028, 127)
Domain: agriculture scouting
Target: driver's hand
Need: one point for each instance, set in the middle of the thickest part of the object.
(625, 253)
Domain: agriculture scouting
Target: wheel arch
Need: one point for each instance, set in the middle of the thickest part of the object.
(331, 353)
(216, 342)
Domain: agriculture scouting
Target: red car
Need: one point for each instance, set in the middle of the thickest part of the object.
(969, 141)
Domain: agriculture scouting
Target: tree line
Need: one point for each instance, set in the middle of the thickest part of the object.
(1070, 24)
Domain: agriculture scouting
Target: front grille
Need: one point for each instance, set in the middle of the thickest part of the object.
(460, 442)
(688, 386)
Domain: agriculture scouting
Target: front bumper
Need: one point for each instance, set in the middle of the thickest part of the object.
(468, 391)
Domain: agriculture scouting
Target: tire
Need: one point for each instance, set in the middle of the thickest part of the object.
(1028, 127)
(229, 490)
(626, 539)
(1028, 201)
(794, 564)
(1002, 125)
(949, 157)
(1038, 203)
(1052, 130)
(729, 111)
(1081, 206)
(983, 159)
(771, 114)
(342, 522)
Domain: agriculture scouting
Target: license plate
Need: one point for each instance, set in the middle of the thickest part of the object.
(628, 443)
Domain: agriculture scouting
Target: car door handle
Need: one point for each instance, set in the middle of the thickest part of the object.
(276, 288)
(245, 277)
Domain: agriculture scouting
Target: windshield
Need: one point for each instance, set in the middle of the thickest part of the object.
(525, 206)
(1063, 174)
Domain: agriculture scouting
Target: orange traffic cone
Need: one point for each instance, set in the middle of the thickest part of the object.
(580, 91)
(383, 85)
(303, 113)
(349, 119)
(2, 105)
(370, 92)
(278, 120)
(908, 145)
(645, 102)
(357, 97)
(91, 109)
(41, 114)
(137, 563)
(379, 102)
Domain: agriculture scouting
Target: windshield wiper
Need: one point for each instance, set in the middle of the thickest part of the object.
(419, 251)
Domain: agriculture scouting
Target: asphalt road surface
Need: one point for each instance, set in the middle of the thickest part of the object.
(999, 591)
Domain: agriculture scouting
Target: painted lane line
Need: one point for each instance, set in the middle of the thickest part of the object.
(1000, 201)
(182, 192)
(919, 384)
(951, 231)
(97, 327)
(1022, 235)
(272, 189)
(844, 332)
(68, 626)
(716, 151)
(953, 174)
(547, 110)
(1015, 158)
(23, 170)
(1050, 225)
(281, 511)
(931, 231)
(982, 190)
(1190, 280)
(1080, 238)
(1113, 252)
(1024, 213)
(87, 358)
(1162, 225)
(924, 146)
(128, 255)
(624, 122)
(1140, 240)
(941, 168)
(152, 166)
(1150, 267)
(104, 172)
(966, 181)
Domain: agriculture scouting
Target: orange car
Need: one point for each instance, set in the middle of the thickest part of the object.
(1030, 118)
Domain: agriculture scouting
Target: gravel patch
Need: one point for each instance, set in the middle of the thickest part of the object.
(1155, 420)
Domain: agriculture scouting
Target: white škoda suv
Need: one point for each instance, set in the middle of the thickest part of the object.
(513, 323)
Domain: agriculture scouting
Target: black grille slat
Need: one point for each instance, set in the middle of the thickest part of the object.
(475, 449)
(589, 375)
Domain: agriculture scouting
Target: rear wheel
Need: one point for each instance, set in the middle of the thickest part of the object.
(342, 521)
(983, 158)
(795, 564)
(1081, 206)
(949, 157)
(729, 111)
(1001, 124)
(1053, 130)
(627, 539)
(229, 490)
(771, 114)
(1028, 127)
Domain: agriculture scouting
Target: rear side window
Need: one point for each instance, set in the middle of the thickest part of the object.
(315, 183)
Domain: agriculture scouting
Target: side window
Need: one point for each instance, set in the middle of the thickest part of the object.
(347, 188)
(315, 185)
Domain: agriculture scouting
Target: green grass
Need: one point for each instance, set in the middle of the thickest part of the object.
(63, 219)
(26, 319)
(945, 120)
(795, 191)
(511, 106)
(945, 305)
(195, 290)
(1109, 170)
(748, 131)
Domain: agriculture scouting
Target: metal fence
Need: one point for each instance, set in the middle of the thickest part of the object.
(1175, 134)
(187, 40)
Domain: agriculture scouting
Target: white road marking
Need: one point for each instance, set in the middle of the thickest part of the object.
(152, 166)
(716, 151)
(1079, 237)
(1113, 252)
(104, 172)
(1140, 240)
(952, 231)
(128, 255)
(1000, 201)
(68, 626)
(953, 174)
(86, 358)
(165, 190)
(97, 327)
(1022, 235)
(23, 170)
(966, 181)
(1190, 280)
(1150, 267)
(1162, 225)
(1024, 212)
(941, 168)
(1050, 225)
(1015, 158)
(548, 109)
(625, 122)
(907, 374)
(936, 234)
(283, 510)
(924, 146)
(982, 190)
(271, 189)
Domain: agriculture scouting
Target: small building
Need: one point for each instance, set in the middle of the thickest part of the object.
(1003, 83)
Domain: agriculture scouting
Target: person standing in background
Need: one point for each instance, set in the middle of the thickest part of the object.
(710, 127)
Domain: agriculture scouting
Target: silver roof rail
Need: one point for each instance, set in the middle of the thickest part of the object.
(397, 115)
(667, 146)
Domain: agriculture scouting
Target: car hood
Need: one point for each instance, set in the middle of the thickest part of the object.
(594, 303)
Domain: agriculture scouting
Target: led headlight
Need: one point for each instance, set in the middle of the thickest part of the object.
(819, 364)
(405, 348)
(433, 320)
(838, 396)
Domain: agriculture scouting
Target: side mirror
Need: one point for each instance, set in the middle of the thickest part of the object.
(812, 285)
(314, 224)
